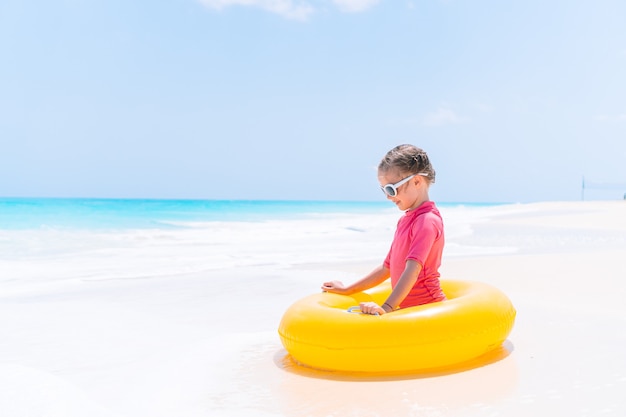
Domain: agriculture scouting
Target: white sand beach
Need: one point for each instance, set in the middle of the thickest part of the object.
(172, 323)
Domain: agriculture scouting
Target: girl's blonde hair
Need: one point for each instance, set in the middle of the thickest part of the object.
(408, 159)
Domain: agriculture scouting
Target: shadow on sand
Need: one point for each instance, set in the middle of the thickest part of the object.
(285, 362)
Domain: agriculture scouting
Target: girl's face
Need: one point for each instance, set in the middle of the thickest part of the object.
(409, 195)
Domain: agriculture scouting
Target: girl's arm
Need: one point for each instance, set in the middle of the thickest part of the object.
(372, 279)
(399, 293)
(404, 285)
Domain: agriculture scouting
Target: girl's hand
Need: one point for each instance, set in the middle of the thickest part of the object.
(334, 286)
(371, 307)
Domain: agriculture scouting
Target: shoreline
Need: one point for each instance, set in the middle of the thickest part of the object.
(204, 342)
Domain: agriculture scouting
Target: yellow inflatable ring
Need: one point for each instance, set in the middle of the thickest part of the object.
(319, 332)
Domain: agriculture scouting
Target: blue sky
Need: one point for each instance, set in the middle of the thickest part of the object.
(514, 101)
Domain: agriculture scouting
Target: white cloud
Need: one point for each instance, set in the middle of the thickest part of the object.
(355, 5)
(291, 9)
(286, 8)
(443, 116)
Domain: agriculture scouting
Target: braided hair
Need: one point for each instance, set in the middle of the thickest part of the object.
(408, 159)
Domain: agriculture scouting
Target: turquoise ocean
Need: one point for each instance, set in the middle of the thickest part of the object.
(130, 307)
(99, 214)
(55, 242)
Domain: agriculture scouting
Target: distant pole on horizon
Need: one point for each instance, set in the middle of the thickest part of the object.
(583, 190)
(600, 185)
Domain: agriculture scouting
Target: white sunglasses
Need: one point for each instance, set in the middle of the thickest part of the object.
(392, 189)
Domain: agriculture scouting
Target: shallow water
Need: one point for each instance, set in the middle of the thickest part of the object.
(182, 320)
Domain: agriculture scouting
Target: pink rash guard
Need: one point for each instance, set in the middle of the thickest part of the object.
(419, 237)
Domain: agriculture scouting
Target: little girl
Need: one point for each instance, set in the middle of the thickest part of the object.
(413, 261)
